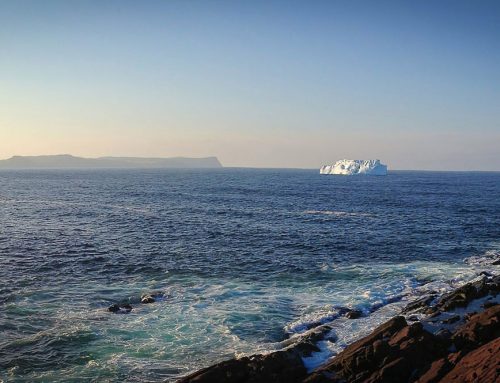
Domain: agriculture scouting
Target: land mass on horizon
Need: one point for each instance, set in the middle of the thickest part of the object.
(67, 161)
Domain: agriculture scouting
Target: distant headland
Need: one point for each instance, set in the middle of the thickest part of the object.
(67, 161)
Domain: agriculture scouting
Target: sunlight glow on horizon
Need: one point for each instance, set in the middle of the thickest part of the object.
(266, 84)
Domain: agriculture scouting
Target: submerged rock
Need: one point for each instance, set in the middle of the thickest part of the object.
(354, 314)
(305, 344)
(120, 308)
(147, 298)
(419, 305)
(152, 297)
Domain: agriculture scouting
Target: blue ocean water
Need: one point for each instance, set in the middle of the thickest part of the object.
(243, 257)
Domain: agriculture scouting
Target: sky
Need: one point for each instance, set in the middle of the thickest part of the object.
(415, 84)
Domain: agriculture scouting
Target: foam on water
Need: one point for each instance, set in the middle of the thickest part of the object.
(440, 278)
(338, 213)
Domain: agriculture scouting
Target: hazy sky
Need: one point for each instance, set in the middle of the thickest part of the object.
(256, 83)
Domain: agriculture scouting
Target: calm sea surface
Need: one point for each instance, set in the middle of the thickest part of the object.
(243, 258)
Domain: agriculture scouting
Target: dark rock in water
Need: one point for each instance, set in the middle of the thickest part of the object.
(450, 320)
(120, 308)
(114, 308)
(480, 365)
(354, 314)
(280, 367)
(146, 298)
(462, 296)
(152, 297)
(419, 304)
(489, 304)
(340, 310)
(305, 343)
(413, 318)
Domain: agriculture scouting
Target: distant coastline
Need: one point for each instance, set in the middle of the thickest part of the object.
(67, 161)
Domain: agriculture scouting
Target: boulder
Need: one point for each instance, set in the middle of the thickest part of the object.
(419, 305)
(147, 298)
(116, 308)
(305, 344)
(152, 297)
(354, 314)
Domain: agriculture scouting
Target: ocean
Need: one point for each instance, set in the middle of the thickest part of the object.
(240, 260)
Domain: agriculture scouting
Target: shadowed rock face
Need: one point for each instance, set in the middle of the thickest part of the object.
(279, 367)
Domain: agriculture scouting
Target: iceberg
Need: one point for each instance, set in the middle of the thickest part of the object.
(354, 167)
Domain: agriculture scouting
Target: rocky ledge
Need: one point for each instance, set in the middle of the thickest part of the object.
(450, 338)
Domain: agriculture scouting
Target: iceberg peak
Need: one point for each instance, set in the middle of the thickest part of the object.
(354, 167)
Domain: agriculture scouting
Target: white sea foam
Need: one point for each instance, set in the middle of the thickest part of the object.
(445, 278)
(488, 258)
(338, 213)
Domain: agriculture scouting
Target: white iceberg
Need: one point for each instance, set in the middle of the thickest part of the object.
(353, 167)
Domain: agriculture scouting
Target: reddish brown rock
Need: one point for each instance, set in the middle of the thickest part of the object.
(479, 329)
(392, 353)
(479, 366)
(465, 294)
(437, 370)
(360, 357)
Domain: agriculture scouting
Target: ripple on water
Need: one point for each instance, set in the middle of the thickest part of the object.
(245, 258)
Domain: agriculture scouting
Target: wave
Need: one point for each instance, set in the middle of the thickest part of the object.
(338, 213)
(381, 305)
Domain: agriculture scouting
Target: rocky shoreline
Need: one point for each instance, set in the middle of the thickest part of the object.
(449, 338)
